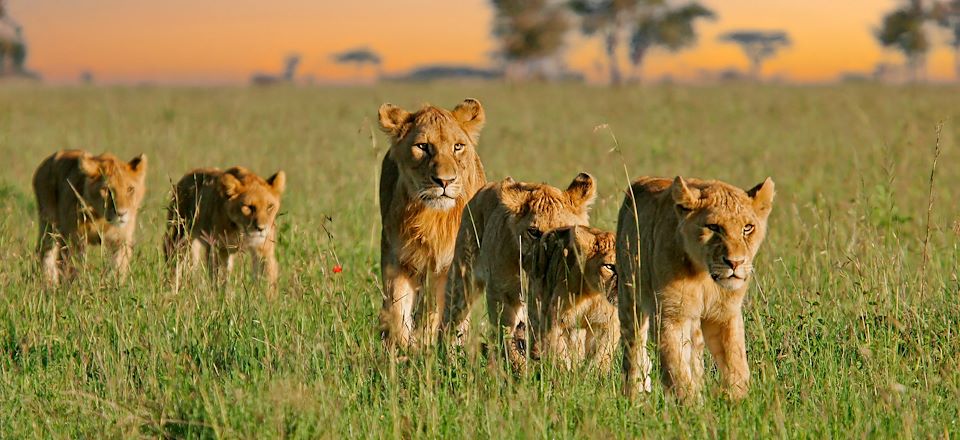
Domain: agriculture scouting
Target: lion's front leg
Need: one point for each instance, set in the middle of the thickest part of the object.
(462, 286)
(122, 253)
(400, 288)
(48, 249)
(71, 251)
(265, 265)
(603, 333)
(219, 264)
(433, 308)
(634, 331)
(726, 343)
(561, 341)
(508, 316)
(676, 347)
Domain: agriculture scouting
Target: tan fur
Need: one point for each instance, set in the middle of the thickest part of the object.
(688, 245)
(429, 174)
(499, 223)
(222, 213)
(572, 273)
(84, 199)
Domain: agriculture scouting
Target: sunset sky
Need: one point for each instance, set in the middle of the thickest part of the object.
(224, 41)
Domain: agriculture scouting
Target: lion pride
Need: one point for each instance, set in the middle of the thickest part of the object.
(429, 174)
(223, 213)
(573, 296)
(685, 251)
(85, 199)
(499, 225)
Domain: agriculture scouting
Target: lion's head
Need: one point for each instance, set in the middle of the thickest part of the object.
(252, 202)
(114, 189)
(539, 208)
(585, 257)
(435, 150)
(722, 227)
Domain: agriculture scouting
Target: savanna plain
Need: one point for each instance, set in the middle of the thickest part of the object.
(852, 318)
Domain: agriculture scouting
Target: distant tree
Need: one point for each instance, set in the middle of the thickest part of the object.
(290, 65)
(758, 46)
(947, 15)
(609, 19)
(903, 29)
(14, 48)
(669, 28)
(530, 32)
(648, 23)
(359, 57)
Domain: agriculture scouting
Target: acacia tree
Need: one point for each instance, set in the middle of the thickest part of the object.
(530, 32)
(758, 46)
(903, 29)
(359, 57)
(669, 28)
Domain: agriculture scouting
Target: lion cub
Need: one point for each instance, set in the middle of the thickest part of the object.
(503, 219)
(573, 295)
(84, 199)
(688, 246)
(223, 213)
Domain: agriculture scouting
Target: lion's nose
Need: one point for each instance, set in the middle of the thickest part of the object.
(121, 213)
(261, 228)
(443, 181)
(734, 263)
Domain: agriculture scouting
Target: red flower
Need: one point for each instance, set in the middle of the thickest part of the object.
(337, 268)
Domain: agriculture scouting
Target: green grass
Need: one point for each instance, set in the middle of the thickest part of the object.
(841, 343)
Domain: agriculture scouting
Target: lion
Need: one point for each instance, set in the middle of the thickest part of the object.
(689, 246)
(573, 295)
(85, 199)
(220, 214)
(500, 224)
(428, 175)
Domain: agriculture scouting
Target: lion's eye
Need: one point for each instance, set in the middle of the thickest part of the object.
(715, 228)
(270, 207)
(748, 229)
(130, 190)
(423, 146)
(458, 146)
(534, 232)
(610, 267)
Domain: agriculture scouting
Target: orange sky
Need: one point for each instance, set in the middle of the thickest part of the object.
(224, 41)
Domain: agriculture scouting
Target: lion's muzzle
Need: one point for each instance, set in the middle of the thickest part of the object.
(732, 274)
(442, 195)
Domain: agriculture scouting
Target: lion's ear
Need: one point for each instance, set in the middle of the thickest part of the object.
(684, 197)
(393, 120)
(533, 260)
(513, 196)
(230, 184)
(582, 191)
(470, 114)
(138, 164)
(89, 166)
(762, 196)
(278, 181)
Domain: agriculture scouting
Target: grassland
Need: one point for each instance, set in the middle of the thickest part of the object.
(849, 332)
